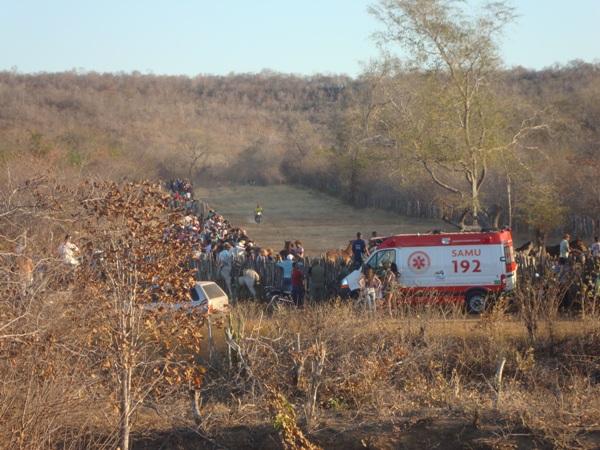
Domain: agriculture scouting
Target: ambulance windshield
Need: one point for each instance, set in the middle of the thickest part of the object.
(382, 259)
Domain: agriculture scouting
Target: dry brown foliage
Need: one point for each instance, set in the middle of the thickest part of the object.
(71, 340)
(89, 323)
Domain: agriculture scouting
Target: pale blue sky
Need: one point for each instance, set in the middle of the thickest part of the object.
(221, 36)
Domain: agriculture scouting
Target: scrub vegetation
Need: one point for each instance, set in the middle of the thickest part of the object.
(445, 135)
(446, 132)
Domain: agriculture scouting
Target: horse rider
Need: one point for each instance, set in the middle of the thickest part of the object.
(258, 212)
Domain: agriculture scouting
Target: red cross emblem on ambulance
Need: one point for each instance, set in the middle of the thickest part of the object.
(419, 262)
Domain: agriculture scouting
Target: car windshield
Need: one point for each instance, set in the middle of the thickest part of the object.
(197, 293)
(213, 291)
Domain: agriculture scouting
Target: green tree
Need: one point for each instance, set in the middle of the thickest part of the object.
(449, 119)
(542, 209)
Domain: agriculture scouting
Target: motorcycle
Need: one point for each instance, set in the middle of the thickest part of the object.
(258, 217)
(278, 299)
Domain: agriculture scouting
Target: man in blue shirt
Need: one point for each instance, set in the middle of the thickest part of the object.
(359, 247)
(286, 267)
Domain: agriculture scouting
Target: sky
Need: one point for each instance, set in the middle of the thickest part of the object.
(192, 37)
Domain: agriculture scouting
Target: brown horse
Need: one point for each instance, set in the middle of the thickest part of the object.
(344, 254)
(577, 247)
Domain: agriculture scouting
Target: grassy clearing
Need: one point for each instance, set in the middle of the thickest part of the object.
(318, 220)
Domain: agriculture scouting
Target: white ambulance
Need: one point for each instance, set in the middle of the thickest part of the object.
(464, 266)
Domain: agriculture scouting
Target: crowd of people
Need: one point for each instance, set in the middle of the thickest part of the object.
(213, 237)
(182, 195)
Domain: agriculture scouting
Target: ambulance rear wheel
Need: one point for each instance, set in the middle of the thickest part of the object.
(476, 301)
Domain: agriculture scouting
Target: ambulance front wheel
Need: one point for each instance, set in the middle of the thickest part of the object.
(476, 301)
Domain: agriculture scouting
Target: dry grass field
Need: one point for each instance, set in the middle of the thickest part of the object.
(318, 220)
(426, 378)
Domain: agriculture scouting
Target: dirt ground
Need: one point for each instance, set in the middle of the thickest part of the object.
(438, 430)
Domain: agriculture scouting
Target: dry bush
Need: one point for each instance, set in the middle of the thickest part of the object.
(538, 299)
(79, 355)
(335, 366)
(380, 369)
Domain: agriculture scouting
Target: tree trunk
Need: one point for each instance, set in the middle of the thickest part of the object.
(540, 237)
(509, 199)
(353, 185)
(475, 201)
(125, 407)
(195, 398)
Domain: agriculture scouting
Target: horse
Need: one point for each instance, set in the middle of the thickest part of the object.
(526, 249)
(334, 255)
(577, 247)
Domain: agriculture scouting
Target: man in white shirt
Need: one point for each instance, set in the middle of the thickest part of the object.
(595, 248)
(250, 279)
(563, 257)
(224, 259)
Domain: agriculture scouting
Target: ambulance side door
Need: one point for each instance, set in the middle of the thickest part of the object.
(472, 265)
(420, 266)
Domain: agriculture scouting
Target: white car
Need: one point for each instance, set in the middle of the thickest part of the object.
(205, 294)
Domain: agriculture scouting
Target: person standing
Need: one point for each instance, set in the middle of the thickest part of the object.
(297, 285)
(371, 286)
(225, 263)
(286, 266)
(595, 249)
(299, 249)
(564, 250)
(359, 248)
(390, 285)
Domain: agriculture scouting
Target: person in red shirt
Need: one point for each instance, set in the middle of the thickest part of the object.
(297, 285)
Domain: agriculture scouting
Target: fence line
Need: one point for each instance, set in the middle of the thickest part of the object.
(270, 275)
(580, 225)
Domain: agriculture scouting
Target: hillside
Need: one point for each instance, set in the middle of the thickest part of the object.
(276, 128)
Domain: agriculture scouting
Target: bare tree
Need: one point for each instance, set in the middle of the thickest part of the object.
(133, 260)
(197, 151)
(359, 135)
